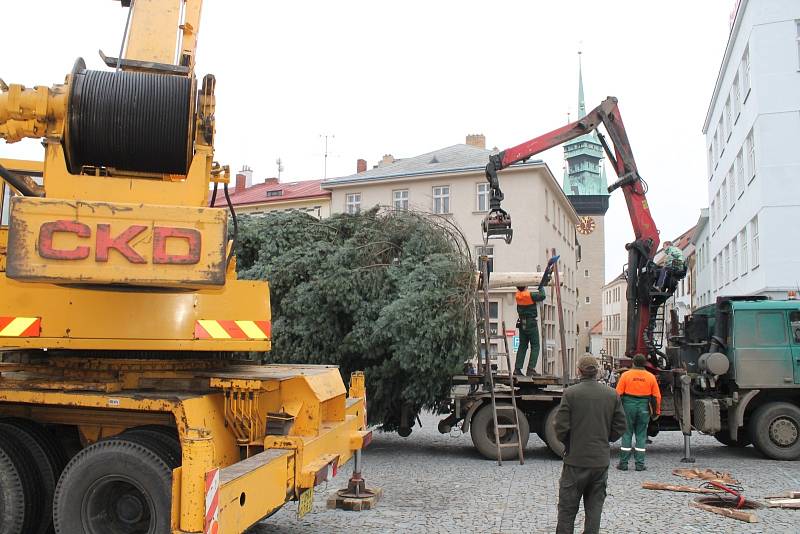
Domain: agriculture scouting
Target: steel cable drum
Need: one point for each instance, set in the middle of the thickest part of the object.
(131, 121)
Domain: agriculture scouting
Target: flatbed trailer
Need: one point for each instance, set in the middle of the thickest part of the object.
(470, 406)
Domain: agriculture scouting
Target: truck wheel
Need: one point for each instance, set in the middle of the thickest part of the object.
(775, 430)
(160, 442)
(549, 431)
(482, 431)
(47, 468)
(20, 488)
(116, 486)
(742, 441)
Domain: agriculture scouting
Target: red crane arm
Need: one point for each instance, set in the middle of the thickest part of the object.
(641, 302)
(607, 114)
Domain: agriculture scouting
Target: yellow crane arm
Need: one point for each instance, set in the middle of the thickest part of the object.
(163, 31)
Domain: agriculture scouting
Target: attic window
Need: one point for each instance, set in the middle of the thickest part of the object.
(434, 160)
(275, 193)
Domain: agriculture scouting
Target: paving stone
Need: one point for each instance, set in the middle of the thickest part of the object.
(437, 483)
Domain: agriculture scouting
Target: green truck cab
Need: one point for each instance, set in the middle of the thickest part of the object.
(742, 355)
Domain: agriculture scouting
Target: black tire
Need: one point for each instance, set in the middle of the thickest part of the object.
(549, 431)
(742, 441)
(481, 428)
(116, 486)
(20, 488)
(44, 458)
(164, 440)
(775, 430)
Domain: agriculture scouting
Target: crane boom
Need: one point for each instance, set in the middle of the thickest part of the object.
(643, 300)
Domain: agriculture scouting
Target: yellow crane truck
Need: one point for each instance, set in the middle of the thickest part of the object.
(123, 408)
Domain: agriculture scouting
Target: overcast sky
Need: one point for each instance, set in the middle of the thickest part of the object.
(405, 78)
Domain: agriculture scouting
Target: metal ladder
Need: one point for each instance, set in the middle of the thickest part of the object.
(489, 377)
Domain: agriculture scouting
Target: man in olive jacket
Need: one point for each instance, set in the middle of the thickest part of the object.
(589, 417)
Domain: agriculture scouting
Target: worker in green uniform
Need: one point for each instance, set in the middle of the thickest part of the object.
(528, 328)
(640, 394)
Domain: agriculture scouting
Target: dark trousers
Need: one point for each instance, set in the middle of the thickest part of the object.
(528, 335)
(588, 483)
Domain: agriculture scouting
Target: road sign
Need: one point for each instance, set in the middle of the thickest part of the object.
(510, 333)
(515, 343)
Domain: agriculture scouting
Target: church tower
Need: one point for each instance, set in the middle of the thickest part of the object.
(586, 188)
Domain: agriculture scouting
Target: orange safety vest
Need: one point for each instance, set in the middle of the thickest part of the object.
(523, 298)
(640, 383)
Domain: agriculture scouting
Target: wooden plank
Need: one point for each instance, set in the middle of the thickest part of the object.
(741, 515)
(674, 487)
(511, 279)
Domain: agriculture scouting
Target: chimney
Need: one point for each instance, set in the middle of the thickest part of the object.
(248, 174)
(477, 140)
(241, 183)
(361, 165)
(386, 160)
(272, 181)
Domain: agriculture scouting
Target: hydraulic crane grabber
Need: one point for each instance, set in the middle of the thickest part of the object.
(643, 300)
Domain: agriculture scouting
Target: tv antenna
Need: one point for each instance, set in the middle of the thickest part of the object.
(325, 162)
(279, 163)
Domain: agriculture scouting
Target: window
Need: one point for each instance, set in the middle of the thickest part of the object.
(737, 103)
(746, 74)
(546, 204)
(352, 203)
(723, 189)
(713, 213)
(739, 171)
(750, 148)
(731, 187)
(400, 199)
(483, 197)
(586, 273)
(754, 240)
(275, 193)
(726, 265)
(722, 135)
(586, 324)
(588, 300)
(734, 259)
(728, 121)
(710, 162)
(797, 22)
(743, 244)
(716, 148)
(714, 274)
(441, 199)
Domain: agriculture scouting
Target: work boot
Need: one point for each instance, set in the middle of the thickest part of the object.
(532, 372)
(622, 467)
(518, 372)
(641, 467)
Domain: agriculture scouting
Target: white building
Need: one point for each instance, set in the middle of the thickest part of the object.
(752, 134)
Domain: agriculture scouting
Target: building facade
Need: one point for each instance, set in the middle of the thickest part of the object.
(451, 182)
(586, 188)
(273, 195)
(615, 317)
(752, 129)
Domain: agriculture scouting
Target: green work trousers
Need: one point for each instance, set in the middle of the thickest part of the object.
(528, 334)
(637, 415)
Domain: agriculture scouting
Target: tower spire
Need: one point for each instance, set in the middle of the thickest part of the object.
(581, 104)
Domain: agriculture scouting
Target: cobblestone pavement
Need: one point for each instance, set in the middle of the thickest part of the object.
(438, 483)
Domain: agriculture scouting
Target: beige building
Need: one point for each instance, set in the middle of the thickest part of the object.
(451, 182)
(274, 195)
(615, 317)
